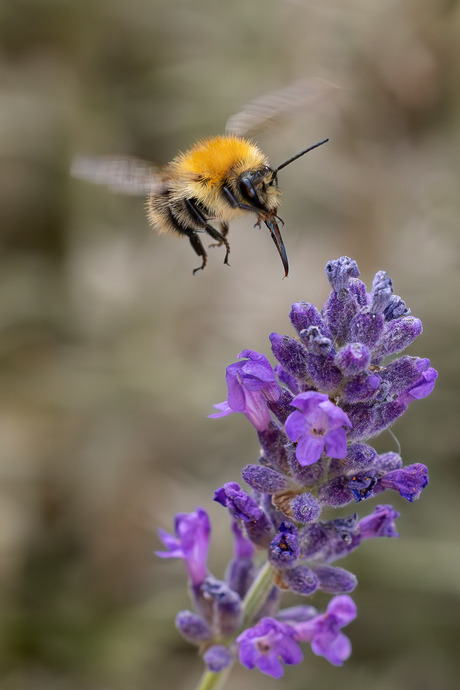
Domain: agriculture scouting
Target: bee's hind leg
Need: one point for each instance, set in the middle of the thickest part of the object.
(223, 240)
(196, 212)
(220, 238)
(199, 249)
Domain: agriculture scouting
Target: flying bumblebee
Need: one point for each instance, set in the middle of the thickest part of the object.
(215, 180)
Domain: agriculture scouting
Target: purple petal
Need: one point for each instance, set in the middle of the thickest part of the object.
(423, 387)
(225, 410)
(335, 416)
(259, 370)
(289, 651)
(379, 524)
(256, 409)
(343, 608)
(336, 443)
(336, 652)
(309, 401)
(309, 449)
(295, 426)
(270, 665)
(236, 397)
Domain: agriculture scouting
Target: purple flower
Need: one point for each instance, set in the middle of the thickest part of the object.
(250, 384)
(284, 547)
(362, 485)
(408, 481)
(191, 543)
(323, 631)
(268, 644)
(239, 503)
(340, 271)
(246, 512)
(379, 524)
(317, 425)
(422, 388)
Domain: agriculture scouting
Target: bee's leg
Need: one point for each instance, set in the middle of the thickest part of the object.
(234, 203)
(196, 213)
(224, 232)
(220, 239)
(199, 249)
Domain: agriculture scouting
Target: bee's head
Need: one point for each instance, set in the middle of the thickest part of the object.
(259, 188)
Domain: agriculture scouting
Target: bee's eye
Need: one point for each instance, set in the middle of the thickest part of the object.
(247, 189)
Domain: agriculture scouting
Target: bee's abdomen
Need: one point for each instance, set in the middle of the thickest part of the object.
(181, 216)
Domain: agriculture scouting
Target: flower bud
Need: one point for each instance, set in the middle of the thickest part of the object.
(193, 627)
(335, 580)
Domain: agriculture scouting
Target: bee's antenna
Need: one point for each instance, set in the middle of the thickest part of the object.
(298, 155)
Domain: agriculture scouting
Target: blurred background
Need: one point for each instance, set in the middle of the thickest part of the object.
(112, 353)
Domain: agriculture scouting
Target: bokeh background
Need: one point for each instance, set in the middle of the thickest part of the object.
(112, 353)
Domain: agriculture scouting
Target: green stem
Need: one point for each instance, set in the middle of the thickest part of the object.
(213, 681)
(253, 602)
(257, 593)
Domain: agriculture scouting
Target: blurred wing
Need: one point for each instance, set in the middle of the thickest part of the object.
(121, 175)
(264, 110)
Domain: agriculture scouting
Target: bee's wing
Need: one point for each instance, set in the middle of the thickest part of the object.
(123, 175)
(264, 110)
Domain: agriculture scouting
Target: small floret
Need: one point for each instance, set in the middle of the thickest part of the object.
(191, 543)
(317, 426)
(267, 646)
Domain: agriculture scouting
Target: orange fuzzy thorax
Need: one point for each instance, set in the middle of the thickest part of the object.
(212, 159)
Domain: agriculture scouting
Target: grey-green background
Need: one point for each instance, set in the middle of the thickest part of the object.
(111, 353)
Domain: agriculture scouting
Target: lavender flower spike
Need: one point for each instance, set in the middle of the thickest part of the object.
(338, 383)
(317, 425)
(250, 385)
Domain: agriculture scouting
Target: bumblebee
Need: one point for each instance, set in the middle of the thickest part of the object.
(213, 182)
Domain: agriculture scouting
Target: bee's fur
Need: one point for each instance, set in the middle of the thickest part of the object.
(212, 183)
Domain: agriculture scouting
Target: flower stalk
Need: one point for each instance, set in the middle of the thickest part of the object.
(257, 594)
(213, 681)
